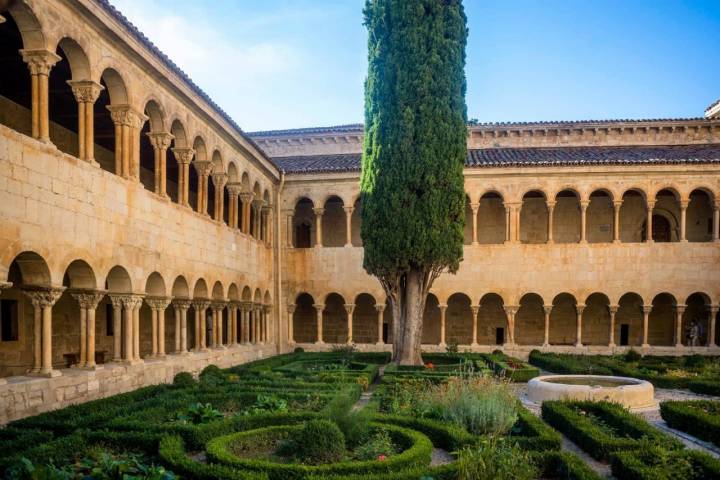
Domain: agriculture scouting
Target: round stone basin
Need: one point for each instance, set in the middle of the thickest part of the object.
(630, 392)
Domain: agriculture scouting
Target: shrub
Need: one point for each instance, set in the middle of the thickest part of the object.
(632, 356)
(706, 386)
(197, 413)
(379, 445)
(319, 441)
(299, 350)
(212, 376)
(654, 462)
(495, 458)
(700, 418)
(479, 404)
(266, 403)
(184, 379)
(694, 361)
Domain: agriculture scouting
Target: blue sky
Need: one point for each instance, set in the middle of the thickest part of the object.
(300, 63)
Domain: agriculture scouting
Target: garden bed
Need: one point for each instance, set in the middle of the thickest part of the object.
(700, 418)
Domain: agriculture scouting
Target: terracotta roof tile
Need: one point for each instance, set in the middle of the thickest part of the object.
(530, 157)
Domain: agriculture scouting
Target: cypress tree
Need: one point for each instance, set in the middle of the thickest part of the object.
(413, 198)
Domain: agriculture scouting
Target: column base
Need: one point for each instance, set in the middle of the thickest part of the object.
(133, 361)
(348, 245)
(183, 354)
(474, 345)
(442, 344)
(645, 346)
(578, 345)
(319, 342)
(93, 368)
(611, 345)
(616, 242)
(546, 345)
(679, 345)
(46, 374)
(379, 343)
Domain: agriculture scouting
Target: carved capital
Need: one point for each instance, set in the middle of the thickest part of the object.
(85, 91)
(291, 308)
(547, 309)
(680, 308)
(246, 196)
(157, 303)
(127, 115)
(266, 308)
(511, 310)
(219, 179)
(183, 154)
(380, 308)
(319, 211)
(319, 307)
(218, 304)
(580, 307)
(475, 309)
(647, 309)
(617, 204)
(116, 300)
(203, 168)
(201, 304)
(132, 302)
(182, 303)
(349, 210)
(40, 61)
(160, 140)
(88, 299)
(246, 306)
(684, 204)
(349, 307)
(234, 189)
(42, 297)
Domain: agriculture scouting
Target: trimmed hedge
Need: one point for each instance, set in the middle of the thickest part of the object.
(418, 452)
(532, 434)
(565, 466)
(648, 464)
(691, 417)
(500, 364)
(598, 440)
(706, 387)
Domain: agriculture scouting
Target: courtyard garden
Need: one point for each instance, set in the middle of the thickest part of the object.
(345, 414)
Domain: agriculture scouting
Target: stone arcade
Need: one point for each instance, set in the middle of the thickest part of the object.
(143, 233)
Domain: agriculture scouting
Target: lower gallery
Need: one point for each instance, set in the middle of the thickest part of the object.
(144, 233)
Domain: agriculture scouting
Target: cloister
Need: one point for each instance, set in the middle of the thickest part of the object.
(144, 233)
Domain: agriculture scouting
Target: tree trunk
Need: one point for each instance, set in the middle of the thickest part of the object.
(408, 306)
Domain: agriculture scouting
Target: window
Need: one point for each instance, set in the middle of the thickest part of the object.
(8, 320)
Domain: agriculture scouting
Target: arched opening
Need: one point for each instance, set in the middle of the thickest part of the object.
(629, 320)
(15, 88)
(662, 320)
(567, 217)
(695, 328)
(303, 224)
(492, 320)
(665, 217)
(530, 320)
(335, 319)
(118, 280)
(459, 320)
(431, 321)
(255, 208)
(633, 213)
(600, 217)
(356, 220)
(155, 124)
(467, 232)
(113, 93)
(216, 185)
(333, 223)
(365, 319)
(199, 163)
(534, 218)
(304, 319)
(596, 320)
(491, 219)
(563, 320)
(177, 130)
(699, 217)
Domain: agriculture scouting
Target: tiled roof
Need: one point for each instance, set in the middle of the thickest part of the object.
(530, 157)
(712, 105)
(173, 66)
(349, 128)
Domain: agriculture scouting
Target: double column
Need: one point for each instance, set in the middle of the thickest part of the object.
(158, 305)
(245, 308)
(200, 306)
(183, 156)
(219, 180)
(160, 142)
(181, 306)
(204, 169)
(234, 190)
(88, 301)
(42, 300)
(246, 198)
(349, 308)
(510, 311)
(40, 62)
(128, 123)
(217, 326)
(319, 307)
(86, 92)
(232, 323)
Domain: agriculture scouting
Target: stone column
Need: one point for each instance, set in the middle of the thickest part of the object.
(232, 323)
(583, 220)
(203, 168)
(160, 142)
(508, 218)
(200, 306)
(233, 194)
(86, 92)
(128, 123)
(512, 220)
(183, 156)
(40, 62)
(136, 329)
(613, 312)
(318, 226)
(43, 299)
(646, 309)
(219, 180)
(246, 198)
(475, 207)
(716, 222)
(443, 309)
(551, 220)
(117, 304)
(257, 317)
(289, 227)
(547, 309)
(475, 310)
(88, 301)
(510, 311)
(578, 335)
(177, 316)
(713, 320)
(348, 225)
(650, 207)
(129, 303)
(266, 222)
(679, 310)
(380, 309)
(291, 334)
(349, 308)
(269, 326)
(617, 204)
(683, 220)
(181, 307)
(245, 333)
(159, 305)
(218, 308)
(319, 307)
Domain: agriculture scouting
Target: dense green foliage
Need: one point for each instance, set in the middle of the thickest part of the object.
(700, 418)
(413, 198)
(319, 441)
(495, 458)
